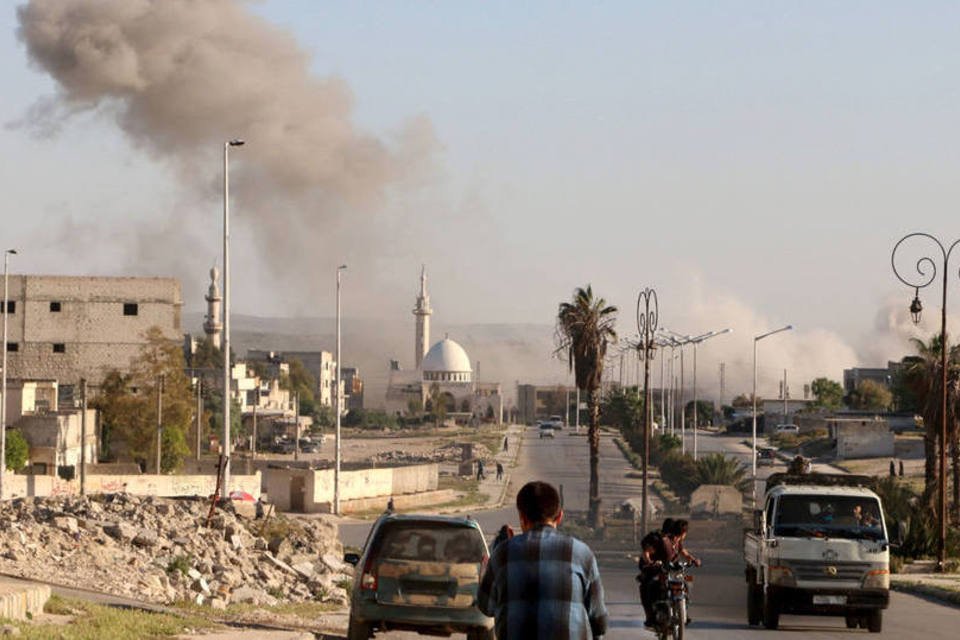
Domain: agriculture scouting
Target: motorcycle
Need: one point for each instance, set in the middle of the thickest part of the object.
(670, 610)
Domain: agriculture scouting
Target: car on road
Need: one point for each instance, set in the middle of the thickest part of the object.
(787, 428)
(546, 431)
(419, 573)
(766, 457)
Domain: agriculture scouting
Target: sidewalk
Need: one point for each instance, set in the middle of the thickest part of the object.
(494, 489)
(944, 587)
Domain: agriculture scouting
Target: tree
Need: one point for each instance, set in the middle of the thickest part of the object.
(924, 377)
(871, 396)
(585, 327)
(827, 393)
(704, 412)
(716, 468)
(18, 451)
(744, 401)
(128, 404)
(438, 404)
(299, 381)
(622, 409)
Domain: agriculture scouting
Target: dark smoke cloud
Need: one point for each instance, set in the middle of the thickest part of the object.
(182, 76)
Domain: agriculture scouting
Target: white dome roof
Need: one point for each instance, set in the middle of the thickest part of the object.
(447, 356)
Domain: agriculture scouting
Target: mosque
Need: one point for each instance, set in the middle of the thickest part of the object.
(443, 369)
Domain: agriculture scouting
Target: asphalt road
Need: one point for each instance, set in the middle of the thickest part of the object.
(719, 591)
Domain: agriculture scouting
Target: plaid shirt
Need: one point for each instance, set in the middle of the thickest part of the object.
(543, 584)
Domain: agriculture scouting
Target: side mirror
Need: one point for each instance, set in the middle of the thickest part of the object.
(351, 558)
(758, 521)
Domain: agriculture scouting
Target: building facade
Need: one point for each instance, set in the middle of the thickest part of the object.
(65, 328)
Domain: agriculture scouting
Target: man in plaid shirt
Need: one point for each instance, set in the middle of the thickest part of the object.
(543, 583)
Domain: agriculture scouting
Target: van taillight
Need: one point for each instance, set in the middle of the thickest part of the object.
(368, 579)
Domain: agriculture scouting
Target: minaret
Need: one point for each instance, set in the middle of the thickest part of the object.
(422, 311)
(212, 325)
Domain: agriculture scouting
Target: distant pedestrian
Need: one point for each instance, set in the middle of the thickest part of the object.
(258, 509)
(543, 584)
(506, 443)
(901, 468)
(480, 474)
(499, 471)
(893, 469)
(390, 507)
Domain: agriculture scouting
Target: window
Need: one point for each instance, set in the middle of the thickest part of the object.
(55, 306)
(13, 346)
(11, 306)
(130, 308)
(59, 347)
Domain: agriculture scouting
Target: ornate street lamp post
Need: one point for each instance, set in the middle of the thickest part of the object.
(926, 268)
(648, 312)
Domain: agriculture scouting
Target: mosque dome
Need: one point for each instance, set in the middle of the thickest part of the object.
(446, 361)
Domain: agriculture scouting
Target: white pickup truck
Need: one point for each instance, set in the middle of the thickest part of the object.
(818, 547)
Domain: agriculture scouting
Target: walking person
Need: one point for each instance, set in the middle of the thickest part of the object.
(543, 584)
(480, 474)
(506, 444)
(499, 471)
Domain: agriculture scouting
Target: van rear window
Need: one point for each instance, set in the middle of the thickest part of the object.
(430, 542)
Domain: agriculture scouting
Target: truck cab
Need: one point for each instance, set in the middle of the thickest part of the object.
(820, 546)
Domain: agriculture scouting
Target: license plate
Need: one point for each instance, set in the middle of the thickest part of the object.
(829, 599)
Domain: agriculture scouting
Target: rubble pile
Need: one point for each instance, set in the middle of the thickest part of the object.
(448, 453)
(160, 550)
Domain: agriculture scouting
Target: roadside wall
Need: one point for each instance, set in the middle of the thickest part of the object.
(24, 486)
(867, 439)
(317, 485)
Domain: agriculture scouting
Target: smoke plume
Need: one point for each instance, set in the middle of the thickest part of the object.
(181, 77)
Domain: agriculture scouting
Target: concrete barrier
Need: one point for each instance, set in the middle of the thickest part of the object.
(24, 486)
(19, 598)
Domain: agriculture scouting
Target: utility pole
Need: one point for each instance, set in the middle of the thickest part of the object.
(83, 436)
(786, 394)
(296, 418)
(723, 383)
(199, 413)
(253, 446)
(159, 420)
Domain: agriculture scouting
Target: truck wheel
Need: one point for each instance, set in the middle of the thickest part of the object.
(771, 612)
(852, 621)
(754, 604)
(875, 620)
(358, 630)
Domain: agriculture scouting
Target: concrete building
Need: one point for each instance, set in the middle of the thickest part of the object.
(65, 328)
(773, 411)
(352, 388)
(53, 435)
(321, 365)
(537, 402)
(853, 377)
(444, 369)
(858, 438)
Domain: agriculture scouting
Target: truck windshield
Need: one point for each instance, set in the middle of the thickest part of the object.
(829, 516)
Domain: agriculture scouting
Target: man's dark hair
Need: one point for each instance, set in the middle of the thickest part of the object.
(667, 526)
(538, 502)
(679, 527)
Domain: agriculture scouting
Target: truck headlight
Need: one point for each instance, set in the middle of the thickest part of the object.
(877, 579)
(781, 576)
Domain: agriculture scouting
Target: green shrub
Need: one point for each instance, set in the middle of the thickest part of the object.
(181, 563)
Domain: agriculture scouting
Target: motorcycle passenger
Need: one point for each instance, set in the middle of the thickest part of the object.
(656, 549)
(677, 535)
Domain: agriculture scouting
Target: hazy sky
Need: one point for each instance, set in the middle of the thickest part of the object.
(753, 161)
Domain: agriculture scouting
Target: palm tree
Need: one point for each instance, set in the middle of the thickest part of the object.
(585, 327)
(716, 468)
(924, 376)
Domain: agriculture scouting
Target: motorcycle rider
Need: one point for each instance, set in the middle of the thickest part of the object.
(677, 535)
(656, 548)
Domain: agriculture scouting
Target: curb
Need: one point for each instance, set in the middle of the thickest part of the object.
(934, 592)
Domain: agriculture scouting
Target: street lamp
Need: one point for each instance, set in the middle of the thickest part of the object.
(3, 397)
(225, 487)
(754, 447)
(336, 470)
(680, 341)
(916, 309)
(696, 341)
(647, 317)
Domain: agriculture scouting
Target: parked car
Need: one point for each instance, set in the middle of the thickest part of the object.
(419, 573)
(787, 428)
(546, 431)
(766, 457)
